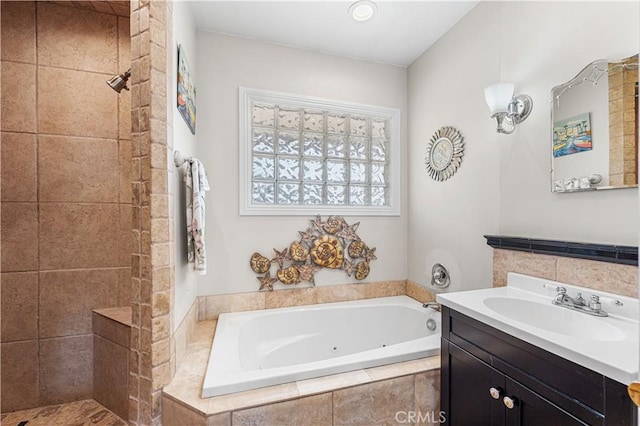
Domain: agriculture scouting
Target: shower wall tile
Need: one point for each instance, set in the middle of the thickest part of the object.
(375, 403)
(124, 285)
(125, 242)
(78, 169)
(18, 97)
(313, 410)
(66, 369)
(18, 31)
(87, 232)
(64, 97)
(19, 379)
(111, 375)
(19, 237)
(125, 153)
(124, 114)
(19, 174)
(19, 306)
(77, 39)
(79, 291)
(124, 44)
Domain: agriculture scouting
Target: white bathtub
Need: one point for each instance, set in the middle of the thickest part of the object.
(268, 347)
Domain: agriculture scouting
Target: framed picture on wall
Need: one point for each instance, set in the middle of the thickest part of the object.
(186, 91)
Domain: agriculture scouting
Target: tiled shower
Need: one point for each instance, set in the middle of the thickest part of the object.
(66, 194)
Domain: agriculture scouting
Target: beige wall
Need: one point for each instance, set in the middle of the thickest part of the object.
(66, 195)
(503, 185)
(225, 63)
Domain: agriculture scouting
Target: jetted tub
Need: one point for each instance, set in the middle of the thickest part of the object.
(268, 347)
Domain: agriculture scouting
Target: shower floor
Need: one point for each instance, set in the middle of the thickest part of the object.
(87, 412)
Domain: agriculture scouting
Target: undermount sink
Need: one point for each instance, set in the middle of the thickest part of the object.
(555, 319)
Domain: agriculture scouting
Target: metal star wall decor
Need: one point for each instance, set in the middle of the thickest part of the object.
(331, 244)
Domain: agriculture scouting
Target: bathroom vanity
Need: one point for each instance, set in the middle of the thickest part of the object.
(499, 370)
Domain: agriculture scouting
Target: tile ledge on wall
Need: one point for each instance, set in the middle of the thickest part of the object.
(626, 255)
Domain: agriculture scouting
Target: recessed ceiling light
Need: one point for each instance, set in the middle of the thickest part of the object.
(363, 10)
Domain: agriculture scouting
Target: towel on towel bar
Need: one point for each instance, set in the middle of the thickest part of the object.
(196, 184)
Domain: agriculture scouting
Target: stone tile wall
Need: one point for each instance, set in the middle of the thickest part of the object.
(66, 197)
(152, 362)
(604, 276)
(623, 133)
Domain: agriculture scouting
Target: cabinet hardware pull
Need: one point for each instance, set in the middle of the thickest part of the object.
(634, 392)
(508, 402)
(495, 393)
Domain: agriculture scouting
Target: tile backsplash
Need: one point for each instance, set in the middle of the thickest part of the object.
(610, 277)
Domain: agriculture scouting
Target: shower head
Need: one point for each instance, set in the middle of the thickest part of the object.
(119, 82)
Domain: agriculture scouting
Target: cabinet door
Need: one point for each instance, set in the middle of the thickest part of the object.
(530, 409)
(470, 402)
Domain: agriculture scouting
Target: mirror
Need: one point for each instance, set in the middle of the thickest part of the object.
(594, 128)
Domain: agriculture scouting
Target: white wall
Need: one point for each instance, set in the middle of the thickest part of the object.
(447, 219)
(543, 44)
(186, 284)
(224, 64)
(503, 185)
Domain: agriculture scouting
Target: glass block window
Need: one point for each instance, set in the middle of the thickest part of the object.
(304, 156)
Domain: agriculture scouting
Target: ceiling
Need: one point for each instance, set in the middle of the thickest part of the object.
(398, 34)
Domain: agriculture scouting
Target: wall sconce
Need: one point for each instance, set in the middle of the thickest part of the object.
(506, 108)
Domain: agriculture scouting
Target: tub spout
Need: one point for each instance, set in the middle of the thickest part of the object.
(433, 305)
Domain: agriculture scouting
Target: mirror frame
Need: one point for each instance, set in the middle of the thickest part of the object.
(590, 73)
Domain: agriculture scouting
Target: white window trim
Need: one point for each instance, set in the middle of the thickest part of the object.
(248, 95)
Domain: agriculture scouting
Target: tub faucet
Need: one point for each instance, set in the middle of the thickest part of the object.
(433, 305)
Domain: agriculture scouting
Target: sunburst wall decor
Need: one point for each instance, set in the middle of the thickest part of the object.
(332, 244)
(444, 153)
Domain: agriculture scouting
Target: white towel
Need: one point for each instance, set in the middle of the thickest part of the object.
(196, 184)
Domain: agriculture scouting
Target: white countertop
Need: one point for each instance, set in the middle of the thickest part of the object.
(614, 358)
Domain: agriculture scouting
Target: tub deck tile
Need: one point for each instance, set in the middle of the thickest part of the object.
(403, 368)
(330, 383)
(253, 398)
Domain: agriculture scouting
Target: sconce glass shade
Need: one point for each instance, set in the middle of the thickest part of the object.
(498, 97)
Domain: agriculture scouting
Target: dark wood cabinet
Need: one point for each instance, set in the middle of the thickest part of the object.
(490, 378)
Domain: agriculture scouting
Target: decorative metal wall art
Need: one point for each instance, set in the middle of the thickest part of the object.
(332, 244)
(444, 153)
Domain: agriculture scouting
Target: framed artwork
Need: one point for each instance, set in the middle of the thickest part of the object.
(186, 91)
(572, 135)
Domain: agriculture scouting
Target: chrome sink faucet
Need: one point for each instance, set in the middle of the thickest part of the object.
(578, 303)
